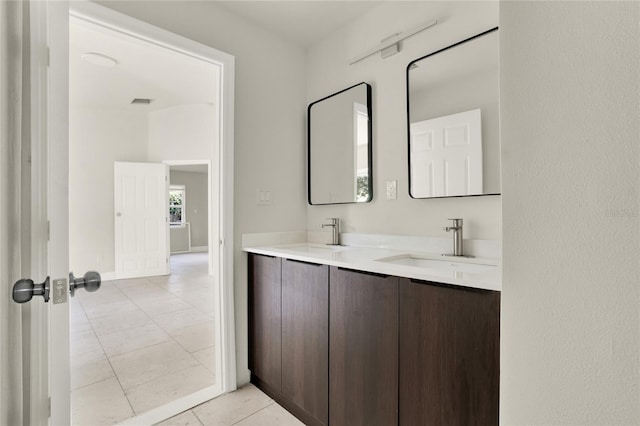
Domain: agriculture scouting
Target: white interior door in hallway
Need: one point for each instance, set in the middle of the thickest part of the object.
(141, 219)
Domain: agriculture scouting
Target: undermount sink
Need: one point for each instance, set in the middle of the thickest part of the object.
(313, 248)
(444, 264)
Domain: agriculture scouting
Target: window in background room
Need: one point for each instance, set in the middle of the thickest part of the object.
(176, 205)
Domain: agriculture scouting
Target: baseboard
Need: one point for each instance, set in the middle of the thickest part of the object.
(199, 249)
(108, 276)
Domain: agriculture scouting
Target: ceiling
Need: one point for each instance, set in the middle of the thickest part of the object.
(144, 70)
(300, 22)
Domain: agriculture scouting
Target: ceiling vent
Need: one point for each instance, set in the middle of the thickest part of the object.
(141, 101)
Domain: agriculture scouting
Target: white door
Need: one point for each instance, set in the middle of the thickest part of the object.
(446, 155)
(141, 219)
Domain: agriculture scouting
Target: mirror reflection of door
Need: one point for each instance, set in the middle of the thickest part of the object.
(446, 155)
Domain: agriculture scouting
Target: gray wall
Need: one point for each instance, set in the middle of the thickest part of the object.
(570, 88)
(197, 200)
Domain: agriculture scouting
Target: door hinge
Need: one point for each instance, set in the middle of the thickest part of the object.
(167, 259)
(221, 242)
(48, 231)
(48, 57)
(49, 408)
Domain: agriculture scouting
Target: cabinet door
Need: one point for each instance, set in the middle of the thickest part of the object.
(449, 355)
(363, 349)
(265, 327)
(305, 339)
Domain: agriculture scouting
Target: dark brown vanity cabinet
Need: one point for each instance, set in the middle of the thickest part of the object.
(265, 325)
(449, 355)
(305, 340)
(341, 347)
(363, 354)
(289, 334)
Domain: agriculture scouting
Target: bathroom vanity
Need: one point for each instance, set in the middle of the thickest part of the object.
(372, 336)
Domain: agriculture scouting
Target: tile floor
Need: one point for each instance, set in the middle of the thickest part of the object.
(140, 343)
(247, 406)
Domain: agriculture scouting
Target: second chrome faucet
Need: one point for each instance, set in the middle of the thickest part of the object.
(456, 227)
(335, 224)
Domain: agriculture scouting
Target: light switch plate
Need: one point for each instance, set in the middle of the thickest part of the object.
(264, 197)
(392, 189)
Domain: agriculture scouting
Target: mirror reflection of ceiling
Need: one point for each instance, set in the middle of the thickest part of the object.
(473, 57)
(143, 71)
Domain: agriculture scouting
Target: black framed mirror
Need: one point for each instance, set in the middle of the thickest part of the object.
(453, 120)
(339, 129)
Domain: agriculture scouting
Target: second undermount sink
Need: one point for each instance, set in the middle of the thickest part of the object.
(444, 264)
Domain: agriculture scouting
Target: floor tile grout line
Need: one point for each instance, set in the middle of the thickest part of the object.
(133, 350)
(113, 371)
(93, 383)
(196, 416)
(173, 372)
(255, 412)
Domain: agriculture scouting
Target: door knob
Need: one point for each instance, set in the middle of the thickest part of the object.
(25, 289)
(90, 281)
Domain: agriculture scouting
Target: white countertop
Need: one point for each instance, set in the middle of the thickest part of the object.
(367, 259)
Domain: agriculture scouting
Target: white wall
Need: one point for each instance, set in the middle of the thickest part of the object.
(570, 90)
(185, 132)
(97, 138)
(197, 204)
(269, 124)
(328, 72)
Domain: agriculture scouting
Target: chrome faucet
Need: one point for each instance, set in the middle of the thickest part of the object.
(335, 224)
(457, 237)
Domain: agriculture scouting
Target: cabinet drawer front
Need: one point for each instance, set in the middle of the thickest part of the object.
(363, 349)
(449, 355)
(305, 337)
(265, 330)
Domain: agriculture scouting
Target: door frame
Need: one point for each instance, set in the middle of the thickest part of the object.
(48, 84)
(50, 27)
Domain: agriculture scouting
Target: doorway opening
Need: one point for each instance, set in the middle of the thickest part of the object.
(157, 344)
(190, 204)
